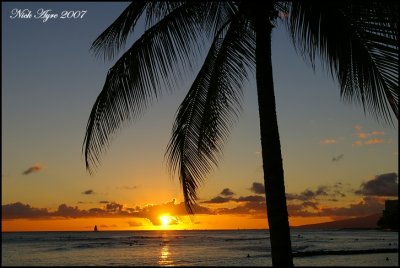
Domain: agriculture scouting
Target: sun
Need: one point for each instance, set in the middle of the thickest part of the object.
(165, 220)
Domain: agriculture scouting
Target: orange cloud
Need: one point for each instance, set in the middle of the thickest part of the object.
(374, 141)
(368, 142)
(366, 135)
(357, 144)
(329, 141)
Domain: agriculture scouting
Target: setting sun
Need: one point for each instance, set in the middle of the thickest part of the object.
(165, 220)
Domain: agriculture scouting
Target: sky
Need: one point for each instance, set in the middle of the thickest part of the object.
(338, 161)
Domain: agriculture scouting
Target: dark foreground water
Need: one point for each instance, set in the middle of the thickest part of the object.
(197, 248)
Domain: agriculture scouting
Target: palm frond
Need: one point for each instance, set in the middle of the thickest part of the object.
(153, 64)
(210, 108)
(157, 10)
(114, 37)
(358, 42)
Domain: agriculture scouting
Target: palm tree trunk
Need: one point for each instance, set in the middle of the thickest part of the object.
(271, 149)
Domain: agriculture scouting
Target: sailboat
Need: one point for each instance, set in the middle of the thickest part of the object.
(95, 228)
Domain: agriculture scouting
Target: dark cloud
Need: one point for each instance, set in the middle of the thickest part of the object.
(34, 168)
(69, 212)
(309, 194)
(218, 200)
(381, 185)
(251, 198)
(151, 212)
(298, 210)
(249, 208)
(313, 205)
(321, 192)
(88, 192)
(368, 206)
(104, 202)
(365, 207)
(257, 188)
(303, 209)
(339, 193)
(114, 207)
(338, 158)
(338, 185)
(19, 210)
(227, 192)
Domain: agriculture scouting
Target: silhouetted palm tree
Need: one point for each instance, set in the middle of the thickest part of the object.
(358, 42)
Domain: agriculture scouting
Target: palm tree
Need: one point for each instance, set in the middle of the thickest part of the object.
(358, 42)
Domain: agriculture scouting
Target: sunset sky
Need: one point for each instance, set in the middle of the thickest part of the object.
(338, 161)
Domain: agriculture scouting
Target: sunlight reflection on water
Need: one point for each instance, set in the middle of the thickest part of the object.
(165, 258)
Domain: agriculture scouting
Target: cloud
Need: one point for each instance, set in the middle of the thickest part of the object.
(357, 144)
(35, 168)
(374, 141)
(382, 185)
(218, 200)
(365, 135)
(250, 208)
(313, 205)
(329, 141)
(365, 207)
(104, 202)
(19, 210)
(111, 210)
(368, 142)
(68, 212)
(338, 158)
(88, 192)
(251, 198)
(114, 207)
(257, 188)
(322, 191)
(227, 192)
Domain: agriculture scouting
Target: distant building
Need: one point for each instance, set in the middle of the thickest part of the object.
(390, 216)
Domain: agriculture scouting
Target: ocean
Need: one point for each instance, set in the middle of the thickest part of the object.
(197, 248)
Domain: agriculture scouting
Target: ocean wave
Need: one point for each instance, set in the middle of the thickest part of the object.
(344, 252)
(245, 239)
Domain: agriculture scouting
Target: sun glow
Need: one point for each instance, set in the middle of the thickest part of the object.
(165, 220)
